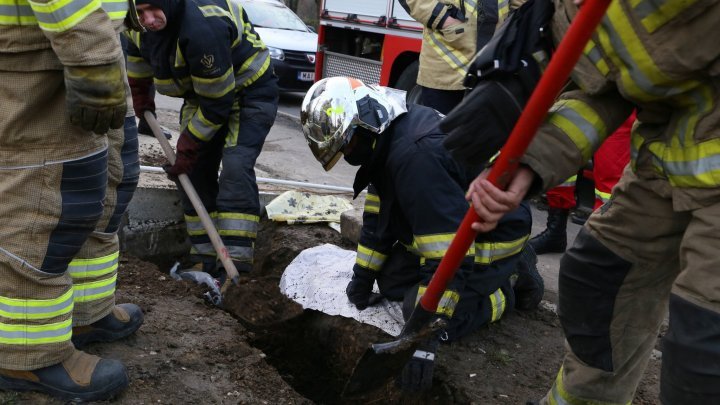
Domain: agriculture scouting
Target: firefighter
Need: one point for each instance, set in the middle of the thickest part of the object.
(68, 171)
(415, 203)
(654, 244)
(454, 30)
(208, 53)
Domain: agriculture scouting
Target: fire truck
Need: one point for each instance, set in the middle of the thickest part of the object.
(375, 41)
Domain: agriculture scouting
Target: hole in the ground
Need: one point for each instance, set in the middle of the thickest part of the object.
(314, 352)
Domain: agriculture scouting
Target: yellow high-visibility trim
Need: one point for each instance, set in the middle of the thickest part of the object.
(574, 129)
(67, 324)
(70, 21)
(559, 396)
(95, 284)
(94, 262)
(34, 303)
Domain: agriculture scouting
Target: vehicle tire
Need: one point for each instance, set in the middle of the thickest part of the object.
(408, 82)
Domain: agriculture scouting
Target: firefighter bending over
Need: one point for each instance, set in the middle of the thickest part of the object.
(415, 203)
(207, 52)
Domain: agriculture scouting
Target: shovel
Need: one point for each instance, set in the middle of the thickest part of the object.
(205, 219)
(382, 361)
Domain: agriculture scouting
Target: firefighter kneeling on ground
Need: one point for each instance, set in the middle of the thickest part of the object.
(415, 203)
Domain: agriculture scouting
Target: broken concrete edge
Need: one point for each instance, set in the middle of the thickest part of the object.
(292, 119)
(154, 225)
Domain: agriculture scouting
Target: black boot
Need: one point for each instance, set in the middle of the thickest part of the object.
(554, 238)
(123, 321)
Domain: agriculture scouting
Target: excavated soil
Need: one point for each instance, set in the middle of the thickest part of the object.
(261, 348)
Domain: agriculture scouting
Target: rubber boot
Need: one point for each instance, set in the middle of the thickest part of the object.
(554, 238)
(82, 377)
(123, 321)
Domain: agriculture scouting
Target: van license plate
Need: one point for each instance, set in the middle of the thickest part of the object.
(306, 76)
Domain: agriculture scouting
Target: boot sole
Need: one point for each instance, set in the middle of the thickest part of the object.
(12, 384)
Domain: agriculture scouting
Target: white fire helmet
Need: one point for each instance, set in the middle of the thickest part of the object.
(335, 106)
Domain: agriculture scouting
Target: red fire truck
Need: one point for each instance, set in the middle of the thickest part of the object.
(373, 40)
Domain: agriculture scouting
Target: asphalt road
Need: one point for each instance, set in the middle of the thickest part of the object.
(286, 157)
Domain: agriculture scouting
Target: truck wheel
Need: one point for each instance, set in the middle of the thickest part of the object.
(408, 82)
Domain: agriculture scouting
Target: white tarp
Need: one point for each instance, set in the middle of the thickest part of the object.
(316, 279)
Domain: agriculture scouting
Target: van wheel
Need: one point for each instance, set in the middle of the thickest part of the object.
(408, 82)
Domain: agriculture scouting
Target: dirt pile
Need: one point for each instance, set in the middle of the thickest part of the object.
(264, 349)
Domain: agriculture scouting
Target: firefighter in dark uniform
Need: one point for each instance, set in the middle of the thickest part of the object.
(415, 203)
(207, 52)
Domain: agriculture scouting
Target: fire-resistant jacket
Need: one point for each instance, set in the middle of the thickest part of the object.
(660, 57)
(446, 52)
(46, 36)
(417, 198)
(216, 53)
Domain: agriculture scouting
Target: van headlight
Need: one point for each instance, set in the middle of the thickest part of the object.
(276, 53)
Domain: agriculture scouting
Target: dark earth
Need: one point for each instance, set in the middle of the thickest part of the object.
(262, 348)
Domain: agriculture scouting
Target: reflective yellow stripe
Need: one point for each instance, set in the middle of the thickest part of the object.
(593, 53)
(214, 87)
(689, 166)
(194, 225)
(253, 68)
(201, 127)
(558, 395)
(570, 182)
(433, 246)
(116, 9)
(237, 224)
(372, 204)
(503, 9)
(369, 259)
(655, 13)
(25, 308)
(85, 292)
(20, 12)
(179, 58)
(581, 123)
(602, 196)
(138, 68)
(447, 303)
(457, 61)
(214, 11)
(13, 334)
(84, 268)
(62, 15)
(170, 87)
(489, 252)
(497, 304)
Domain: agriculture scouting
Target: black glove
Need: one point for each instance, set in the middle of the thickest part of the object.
(479, 126)
(359, 292)
(418, 372)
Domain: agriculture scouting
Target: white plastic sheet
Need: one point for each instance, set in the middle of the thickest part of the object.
(316, 279)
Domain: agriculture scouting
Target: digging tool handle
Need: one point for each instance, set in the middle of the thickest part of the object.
(542, 98)
(197, 204)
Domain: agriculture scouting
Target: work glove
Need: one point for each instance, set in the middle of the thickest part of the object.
(188, 148)
(479, 126)
(359, 292)
(143, 95)
(417, 374)
(96, 96)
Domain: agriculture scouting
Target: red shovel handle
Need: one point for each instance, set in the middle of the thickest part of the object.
(542, 98)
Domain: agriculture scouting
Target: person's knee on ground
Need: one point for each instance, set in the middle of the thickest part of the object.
(81, 377)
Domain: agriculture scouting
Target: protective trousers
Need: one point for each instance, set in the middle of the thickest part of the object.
(232, 200)
(635, 255)
(94, 269)
(48, 209)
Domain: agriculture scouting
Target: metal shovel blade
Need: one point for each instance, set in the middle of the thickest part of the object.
(383, 361)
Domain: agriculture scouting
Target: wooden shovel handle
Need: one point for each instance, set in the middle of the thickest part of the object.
(207, 222)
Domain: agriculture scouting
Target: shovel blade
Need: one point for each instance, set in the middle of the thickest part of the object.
(374, 370)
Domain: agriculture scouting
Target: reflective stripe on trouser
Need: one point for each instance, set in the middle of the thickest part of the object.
(94, 269)
(562, 196)
(232, 199)
(62, 202)
(673, 254)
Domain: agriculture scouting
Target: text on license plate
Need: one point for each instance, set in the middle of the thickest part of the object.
(306, 76)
